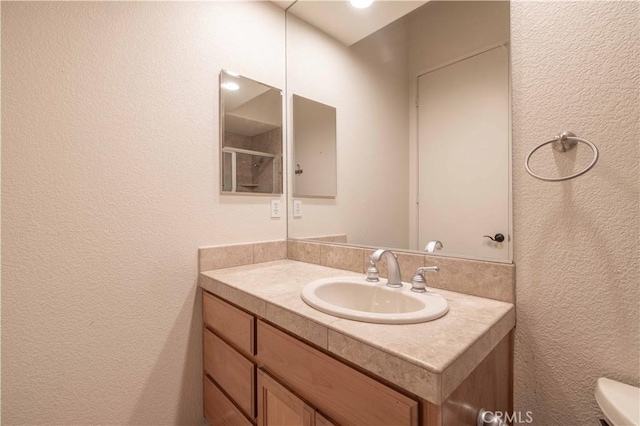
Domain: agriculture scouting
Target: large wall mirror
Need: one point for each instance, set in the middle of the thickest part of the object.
(250, 135)
(421, 92)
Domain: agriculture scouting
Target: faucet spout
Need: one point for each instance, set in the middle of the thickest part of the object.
(393, 268)
(432, 246)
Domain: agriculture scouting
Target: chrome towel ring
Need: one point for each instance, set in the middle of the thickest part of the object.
(566, 141)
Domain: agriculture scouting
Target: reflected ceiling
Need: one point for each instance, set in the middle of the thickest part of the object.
(346, 23)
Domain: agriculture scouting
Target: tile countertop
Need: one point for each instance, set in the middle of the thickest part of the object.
(429, 359)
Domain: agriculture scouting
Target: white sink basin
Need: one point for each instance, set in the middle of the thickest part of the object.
(357, 299)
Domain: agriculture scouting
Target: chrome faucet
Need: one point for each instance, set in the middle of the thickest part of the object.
(393, 269)
(432, 246)
(418, 282)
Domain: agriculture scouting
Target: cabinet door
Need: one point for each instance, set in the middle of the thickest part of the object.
(322, 420)
(277, 406)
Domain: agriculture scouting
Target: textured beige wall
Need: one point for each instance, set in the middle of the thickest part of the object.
(110, 183)
(576, 67)
(0, 227)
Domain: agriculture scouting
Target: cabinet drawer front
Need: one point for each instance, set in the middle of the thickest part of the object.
(230, 322)
(233, 372)
(218, 410)
(344, 394)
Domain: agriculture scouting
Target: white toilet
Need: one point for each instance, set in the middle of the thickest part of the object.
(620, 403)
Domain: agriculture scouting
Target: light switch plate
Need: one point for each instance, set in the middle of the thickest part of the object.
(275, 208)
(297, 208)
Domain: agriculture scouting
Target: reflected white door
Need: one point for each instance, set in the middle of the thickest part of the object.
(463, 137)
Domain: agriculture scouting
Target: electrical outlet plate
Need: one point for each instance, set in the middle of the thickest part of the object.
(297, 208)
(275, 208)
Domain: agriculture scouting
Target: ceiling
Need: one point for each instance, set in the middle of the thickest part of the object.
(253, 108)
(346, 23)
(255, 116)
(283, 4)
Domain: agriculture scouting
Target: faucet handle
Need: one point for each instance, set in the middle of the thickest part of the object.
(418, 282)
(372, 272)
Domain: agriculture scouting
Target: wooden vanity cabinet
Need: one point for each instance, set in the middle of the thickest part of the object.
(341, 392)
(295, 382)
(279, 406)
(219, 409)
(257, 374)
(233, 324)
(322, 420)
(228, 343)
(234, 373)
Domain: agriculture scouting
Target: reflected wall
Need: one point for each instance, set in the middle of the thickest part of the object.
(373, 84)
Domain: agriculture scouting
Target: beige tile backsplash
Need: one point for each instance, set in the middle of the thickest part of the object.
(478, 278)
(342, 257)
(303, 251)
(269, 251)
(210, 258)
(219, 257)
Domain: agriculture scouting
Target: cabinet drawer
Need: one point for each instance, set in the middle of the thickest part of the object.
(218, 410)
(230, 322)
(344, 394)
(233, 372)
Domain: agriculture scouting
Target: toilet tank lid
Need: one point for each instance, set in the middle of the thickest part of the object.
(619, 402)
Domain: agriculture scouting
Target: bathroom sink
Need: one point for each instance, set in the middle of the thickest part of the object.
(357, 299)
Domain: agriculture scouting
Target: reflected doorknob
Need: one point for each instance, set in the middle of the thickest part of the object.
(497, 238)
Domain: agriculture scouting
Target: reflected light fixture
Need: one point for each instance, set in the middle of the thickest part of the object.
(361, 4)
(230, 85)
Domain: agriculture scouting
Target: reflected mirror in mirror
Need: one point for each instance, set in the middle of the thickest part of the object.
(251, 136)
(314, 149)
(423, 146)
